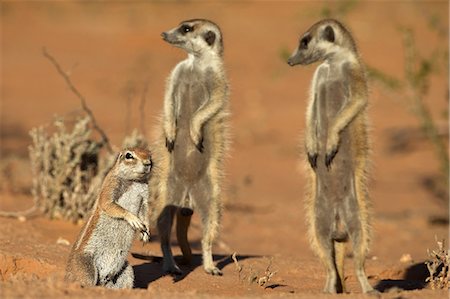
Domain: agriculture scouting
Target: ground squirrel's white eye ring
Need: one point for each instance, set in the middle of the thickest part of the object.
(129, 156)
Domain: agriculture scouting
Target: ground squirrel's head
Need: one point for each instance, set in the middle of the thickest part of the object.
(134, 164)
(196, 36)
(324, 39)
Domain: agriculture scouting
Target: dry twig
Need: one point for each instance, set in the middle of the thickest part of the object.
(105, 139)
(252, 276)
(142, 108)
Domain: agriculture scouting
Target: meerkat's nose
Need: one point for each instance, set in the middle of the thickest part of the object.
(290, 62)
(164, 35)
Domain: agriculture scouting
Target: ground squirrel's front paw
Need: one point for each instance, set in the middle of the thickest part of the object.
(170, 144)
(312, 158)
(136, 223)
(213, 271)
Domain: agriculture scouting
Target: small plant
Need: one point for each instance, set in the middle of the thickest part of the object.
(438, 267)
(67, 169)
(414, 88)
(252, 276)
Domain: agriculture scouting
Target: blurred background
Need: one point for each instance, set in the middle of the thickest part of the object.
(114, 55)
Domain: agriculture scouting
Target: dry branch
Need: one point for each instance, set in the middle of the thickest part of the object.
(20, 214)
(105, 139)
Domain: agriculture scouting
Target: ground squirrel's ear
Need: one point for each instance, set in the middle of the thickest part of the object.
(328, 34)
(209, 37)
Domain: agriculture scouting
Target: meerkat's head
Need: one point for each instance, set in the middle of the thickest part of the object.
(134, 164)
(196, 36)
(321, 41)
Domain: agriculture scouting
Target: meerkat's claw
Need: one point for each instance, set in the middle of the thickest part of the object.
(214, 271)
(172, 270)
(199, 145)
(170, 144)
(329, 158)
(312, 158)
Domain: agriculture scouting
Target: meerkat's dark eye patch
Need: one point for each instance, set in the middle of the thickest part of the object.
(209, 37)
(328, 34)
(185, 29)
(129, 156)
(305, 41)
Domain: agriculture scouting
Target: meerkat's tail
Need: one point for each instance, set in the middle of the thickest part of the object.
(184, 216)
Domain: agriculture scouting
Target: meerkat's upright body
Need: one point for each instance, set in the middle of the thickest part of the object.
(337, 150)
(194, 127)
(99, 256)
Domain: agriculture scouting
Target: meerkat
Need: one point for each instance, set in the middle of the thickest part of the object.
(193, 141)
(337, 146)
(99, 256)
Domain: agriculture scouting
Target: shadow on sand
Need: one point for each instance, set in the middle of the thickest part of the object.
(414, 279)
(151, 271)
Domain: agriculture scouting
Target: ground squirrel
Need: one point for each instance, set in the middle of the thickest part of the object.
(193, 141)
(337, 145)
(99, 256)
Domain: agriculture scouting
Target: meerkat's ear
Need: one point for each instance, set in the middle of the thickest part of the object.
(209, 37)
(328, 34)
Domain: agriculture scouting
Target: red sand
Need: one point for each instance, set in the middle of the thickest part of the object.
(112, 49)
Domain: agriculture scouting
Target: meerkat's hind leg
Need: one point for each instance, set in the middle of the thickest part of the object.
(164, 224)
(359, 259)
(339, 253)
(327, 256)
(325, 248)
(184, 216)
(356, 234)
(209, 208)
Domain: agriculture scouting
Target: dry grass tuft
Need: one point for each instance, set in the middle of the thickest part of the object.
(438, 267)
(252, 276)
(67, 169)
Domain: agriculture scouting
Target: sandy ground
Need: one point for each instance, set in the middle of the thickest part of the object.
(113, 50)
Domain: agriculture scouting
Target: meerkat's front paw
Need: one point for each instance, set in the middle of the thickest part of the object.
(311, 150)
(312, 158)
(332, 148)
(199, 145)
(170, 144)
(330, 157)
(197, 138)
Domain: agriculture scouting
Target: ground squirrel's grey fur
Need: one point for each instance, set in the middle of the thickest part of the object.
(193, 141)
(337, 145)
(99, 256)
